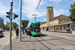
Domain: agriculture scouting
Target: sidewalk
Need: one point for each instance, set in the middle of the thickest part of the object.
(16, 45)
(60, 34)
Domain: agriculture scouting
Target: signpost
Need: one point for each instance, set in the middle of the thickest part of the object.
(11, 8)
(10, 17)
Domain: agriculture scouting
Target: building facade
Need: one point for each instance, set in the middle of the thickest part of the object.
(58, 23)
(1, 22)
(8, 24)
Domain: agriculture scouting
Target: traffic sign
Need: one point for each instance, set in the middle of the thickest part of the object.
(11, 34)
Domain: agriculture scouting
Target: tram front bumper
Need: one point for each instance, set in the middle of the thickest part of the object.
(36, 34)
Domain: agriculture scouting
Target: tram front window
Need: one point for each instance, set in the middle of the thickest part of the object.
(36, 24)
(36, 27)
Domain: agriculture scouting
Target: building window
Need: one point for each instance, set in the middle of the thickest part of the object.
(50, 8)
(63, 21)
(66, 21)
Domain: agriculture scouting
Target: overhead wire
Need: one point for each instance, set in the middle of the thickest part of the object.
(38, 4)
(57, 8)
(63, 4)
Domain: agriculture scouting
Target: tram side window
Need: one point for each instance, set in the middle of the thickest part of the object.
(31, 28)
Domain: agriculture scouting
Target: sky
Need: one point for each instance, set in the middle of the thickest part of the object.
(29, 8)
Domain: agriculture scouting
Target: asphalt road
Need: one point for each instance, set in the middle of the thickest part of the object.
(5, 39)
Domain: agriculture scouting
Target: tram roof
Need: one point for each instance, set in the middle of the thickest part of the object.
(34, 22)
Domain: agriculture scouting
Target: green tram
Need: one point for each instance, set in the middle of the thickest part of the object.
(35, 28)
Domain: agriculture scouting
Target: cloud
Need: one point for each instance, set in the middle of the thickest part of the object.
(29, 8)
(60, 11)
(3, 9)
(56, 0)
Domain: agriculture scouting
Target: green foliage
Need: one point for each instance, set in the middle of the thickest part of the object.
(21, 27)
(72, 10)
(6, 26)
(14, 25)
(1, 26)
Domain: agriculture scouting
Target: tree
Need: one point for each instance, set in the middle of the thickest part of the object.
(21, 27)
(6, 26)
(14, 25)
(1, 26)
(72, 10)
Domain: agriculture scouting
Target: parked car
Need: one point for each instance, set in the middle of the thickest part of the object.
(7, 29)
(1, 29)
(1, 33)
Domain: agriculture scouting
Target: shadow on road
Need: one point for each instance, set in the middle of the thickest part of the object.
(42, 35)
(2, 36)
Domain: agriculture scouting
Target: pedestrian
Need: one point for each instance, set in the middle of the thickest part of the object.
(25, 30)
(17, 32)
(68, 29)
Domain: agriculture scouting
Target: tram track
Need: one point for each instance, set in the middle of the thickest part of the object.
(67, 39)
(60, 39)
(51, 43)
(42, 42)
(36, 40)
(64, 40)
(31, 43)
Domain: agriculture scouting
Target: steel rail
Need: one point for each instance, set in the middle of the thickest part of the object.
(30, 43)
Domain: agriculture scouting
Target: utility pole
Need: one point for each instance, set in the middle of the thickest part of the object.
(20, 15)
(34, 16)
(11, 8)
(35, 19)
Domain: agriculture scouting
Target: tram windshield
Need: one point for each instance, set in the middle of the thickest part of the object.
(36, 24)
(36, 27)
